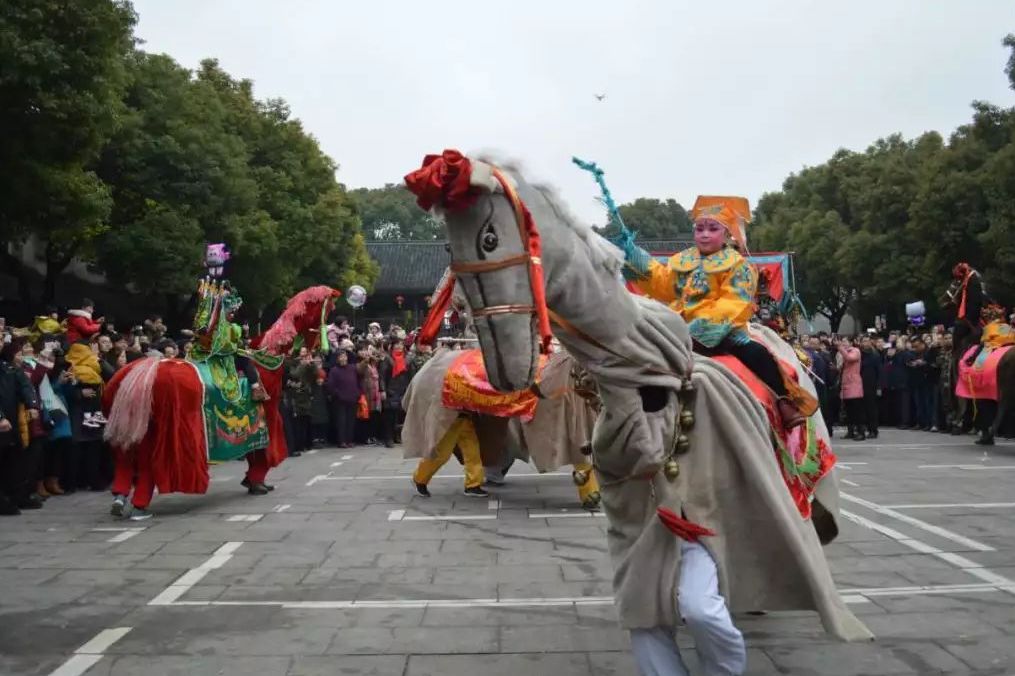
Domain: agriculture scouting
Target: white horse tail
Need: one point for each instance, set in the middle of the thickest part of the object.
(131, 410)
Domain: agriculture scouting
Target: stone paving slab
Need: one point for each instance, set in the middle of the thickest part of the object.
(62, 582)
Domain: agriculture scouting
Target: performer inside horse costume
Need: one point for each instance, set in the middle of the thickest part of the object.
(713, 287)
(169, 417)
(700, 518)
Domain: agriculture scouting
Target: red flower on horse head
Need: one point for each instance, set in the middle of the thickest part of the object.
(443, 180)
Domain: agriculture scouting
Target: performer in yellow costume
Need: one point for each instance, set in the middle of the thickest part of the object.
(463, 435)
(713, 287)
(996, 333)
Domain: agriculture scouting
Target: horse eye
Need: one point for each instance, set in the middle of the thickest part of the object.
(490, 242)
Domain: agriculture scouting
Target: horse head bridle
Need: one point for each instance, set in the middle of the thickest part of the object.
(526, 258)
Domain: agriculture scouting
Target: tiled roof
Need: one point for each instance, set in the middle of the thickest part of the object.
(415, 267)
(409, 266)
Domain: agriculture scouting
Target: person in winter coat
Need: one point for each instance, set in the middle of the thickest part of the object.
(372, 388)
(870, 375)
(343, 386)
(852, 390)
(80, 325)
(893, 385)
(299, 387)
(920, 368)
(15, 392)
(396, 370)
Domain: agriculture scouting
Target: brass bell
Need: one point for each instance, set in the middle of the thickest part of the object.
(672, 469)
(580, 477)
(682, 445)
(686, 418)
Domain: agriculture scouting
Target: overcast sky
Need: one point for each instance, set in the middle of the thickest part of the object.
(718, 97)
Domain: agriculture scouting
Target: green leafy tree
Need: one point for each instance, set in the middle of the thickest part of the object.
(177, 174)
(652, 218)
(60, 92)
(391, 213)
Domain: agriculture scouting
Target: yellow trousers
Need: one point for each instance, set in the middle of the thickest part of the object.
(463, 435)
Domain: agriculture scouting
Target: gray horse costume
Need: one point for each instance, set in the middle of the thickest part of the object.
(653, 389)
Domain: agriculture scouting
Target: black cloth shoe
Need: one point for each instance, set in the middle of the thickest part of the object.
(476, 492)
(421, 489)
(258, 489)
(31, 502)
(246, 484)
(8, 508)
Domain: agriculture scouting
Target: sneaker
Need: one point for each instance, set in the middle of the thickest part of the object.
(421, 489)
(139, 514)
(99, 419)
(475, 492)
(497, 483)
(90, 421)
(119, 505)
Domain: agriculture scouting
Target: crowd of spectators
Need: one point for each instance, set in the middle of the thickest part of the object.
(52, 375)
(869, 381)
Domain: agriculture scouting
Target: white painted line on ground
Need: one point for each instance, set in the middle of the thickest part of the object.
(953, 505)
(220, 479)
(111, 530)
(337, 463)
(850, 464)
(400, 515)
(173, 592)
(962, 563)
(347, 457)
(850, 483)
(565, 515)
(90, 653)
(922, 525)
(280, 508)
(970, 468)
(245, 517)
(126, 535)
(77, 665)
(320, 477)
(493, 504)
(849, 596)
(102, 641)
(404, 477)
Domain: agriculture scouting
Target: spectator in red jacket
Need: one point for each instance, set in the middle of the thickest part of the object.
(80, 325)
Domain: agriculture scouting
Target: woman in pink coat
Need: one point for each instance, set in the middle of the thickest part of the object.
(852, 390)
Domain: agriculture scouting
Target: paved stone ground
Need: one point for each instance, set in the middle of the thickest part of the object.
(226, 584)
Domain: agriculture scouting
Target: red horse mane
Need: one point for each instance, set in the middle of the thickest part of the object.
(301, 317)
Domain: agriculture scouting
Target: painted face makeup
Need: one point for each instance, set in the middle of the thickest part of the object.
(709, 236)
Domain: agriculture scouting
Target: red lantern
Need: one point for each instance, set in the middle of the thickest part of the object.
(399, 299)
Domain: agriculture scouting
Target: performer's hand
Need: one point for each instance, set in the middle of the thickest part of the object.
(33, 413)
(5, 425)
(88, 393)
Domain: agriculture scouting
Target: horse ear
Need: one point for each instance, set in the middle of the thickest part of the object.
(482, 177)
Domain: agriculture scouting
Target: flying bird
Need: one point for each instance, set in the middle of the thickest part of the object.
(601, 97)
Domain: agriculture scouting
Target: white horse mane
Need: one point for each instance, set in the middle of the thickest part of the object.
(601, 251)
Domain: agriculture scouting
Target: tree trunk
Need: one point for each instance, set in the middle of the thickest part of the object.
(19, 272)
(178, 310)
(56, 263)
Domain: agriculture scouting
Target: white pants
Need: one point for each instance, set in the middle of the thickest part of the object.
(720, 645)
